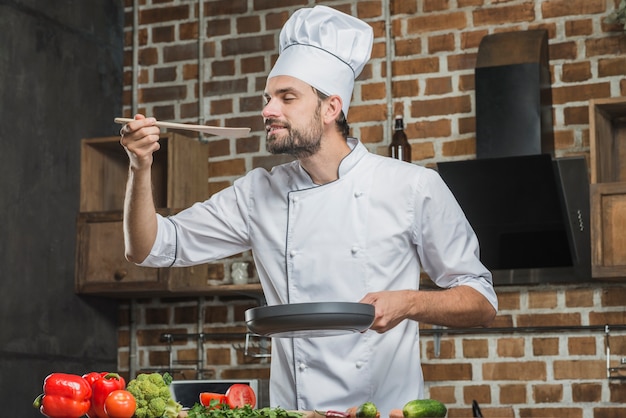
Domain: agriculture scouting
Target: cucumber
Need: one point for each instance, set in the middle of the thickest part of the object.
(421, 408)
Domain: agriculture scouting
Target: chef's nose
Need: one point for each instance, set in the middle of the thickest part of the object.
(270, 109)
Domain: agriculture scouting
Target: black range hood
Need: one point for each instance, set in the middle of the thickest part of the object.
(530, 211)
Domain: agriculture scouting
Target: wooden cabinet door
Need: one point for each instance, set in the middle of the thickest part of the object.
(101, 265)
(608, 230)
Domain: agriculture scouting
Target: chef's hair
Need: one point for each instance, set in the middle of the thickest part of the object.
(341, 122)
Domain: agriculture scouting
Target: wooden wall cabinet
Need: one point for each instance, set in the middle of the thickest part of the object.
(179, 177)
(607, 130)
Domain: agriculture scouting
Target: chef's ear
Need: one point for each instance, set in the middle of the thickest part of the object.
(332, 108)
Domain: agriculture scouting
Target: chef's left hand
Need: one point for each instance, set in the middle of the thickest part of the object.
(391, 308)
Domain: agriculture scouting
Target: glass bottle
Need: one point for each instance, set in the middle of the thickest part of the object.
(400, 148)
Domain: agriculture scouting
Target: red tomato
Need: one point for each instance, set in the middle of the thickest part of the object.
(239, 395)
(120, 404)
(207, 397)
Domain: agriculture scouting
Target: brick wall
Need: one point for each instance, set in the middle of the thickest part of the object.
(423, 71)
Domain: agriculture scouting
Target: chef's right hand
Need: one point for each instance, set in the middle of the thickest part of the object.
(140, 139)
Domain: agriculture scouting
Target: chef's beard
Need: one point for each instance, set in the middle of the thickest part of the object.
(300, 143)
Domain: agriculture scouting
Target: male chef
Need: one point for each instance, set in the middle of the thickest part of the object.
(336, 224)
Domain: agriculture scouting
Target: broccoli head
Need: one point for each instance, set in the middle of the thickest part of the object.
(154, 400)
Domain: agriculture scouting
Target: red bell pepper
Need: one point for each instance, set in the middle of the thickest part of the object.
(91, 379)
(64, 396)
(102, 388)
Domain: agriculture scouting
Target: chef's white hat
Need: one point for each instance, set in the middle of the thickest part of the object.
(326, 49)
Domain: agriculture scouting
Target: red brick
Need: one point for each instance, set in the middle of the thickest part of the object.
(463, 61)
(582, 92)
(493, 16)
(479, 393)
(556, 319)
(615, 45)
(149, 16)
(545, 346)
(445, 106)
(248, 44)
(148, 56)
(247, 145)
(190, 71)
(578, 298)
(220, 107)
(458, 148)
(369, 9)
(557, 412)
(576, 72)
(368, 113)
(405, 88)
(579, 369)
(575, 8)
(471, 39)
(467, 3)
(371, 134)
(403, 7)
(614, 295)
(444, 394)
(542, 299)
(226, 7)
(162, 94)
(248, 24)
(188, 31)
(563, 139)
(431, 129)
(467, 82)
(576, 115)
(440, 372)
(611, 318)
(531, 370)
(218, 88)
(438, 85)
(185, 314)
(422, 151)
(475, 348)
(581, 346)
(512, 394)
(436, 22)
(415, 66)
(586, 392)
(547, 393)
(510, 347)
(563, 51)
(440, 43)
(217, 27)
(608, 412)
(158, 358)
(166, 112)
(614, 66)
(617, 392)
(373, 91)
(446, 349)
(466, 126)
(578, 27)
(163, 34)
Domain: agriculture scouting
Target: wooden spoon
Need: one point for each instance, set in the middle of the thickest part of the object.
(205, 129)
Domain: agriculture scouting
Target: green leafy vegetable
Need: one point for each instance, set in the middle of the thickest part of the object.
(199, 411)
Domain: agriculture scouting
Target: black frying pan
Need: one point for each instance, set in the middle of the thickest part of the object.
(306, 320)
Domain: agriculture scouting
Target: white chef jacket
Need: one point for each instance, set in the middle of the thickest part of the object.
(372, 229)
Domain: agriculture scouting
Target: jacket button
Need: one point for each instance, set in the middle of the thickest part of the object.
(302, 367)
(359, 364)
(354, 249)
